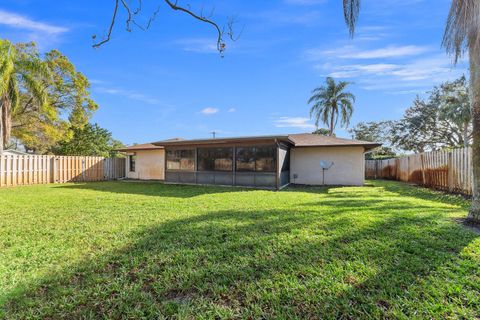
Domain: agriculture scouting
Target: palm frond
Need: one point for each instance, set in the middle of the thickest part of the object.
(35, 67)
(351, 9)
(7, 66)
(13, 94)
(347, 96)
(462, 30)
(35, 87)
(341, 85)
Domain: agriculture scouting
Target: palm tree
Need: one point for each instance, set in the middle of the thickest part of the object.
(331, 102)
(462, 35)
(19, 72)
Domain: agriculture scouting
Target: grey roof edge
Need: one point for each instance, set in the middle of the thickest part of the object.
(220, 140)
(288, 138)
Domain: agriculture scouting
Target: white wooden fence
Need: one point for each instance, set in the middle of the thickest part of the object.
(446, 170)
(35, 169)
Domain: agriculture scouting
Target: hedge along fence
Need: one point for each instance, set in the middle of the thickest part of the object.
(445, 170)
(35, 169)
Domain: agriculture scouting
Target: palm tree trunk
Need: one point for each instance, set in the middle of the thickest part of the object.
(1, 126)
(5, 122)
(474, 214)
(3, 107)
(332, 121)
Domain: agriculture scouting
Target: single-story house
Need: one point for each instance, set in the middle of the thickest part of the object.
(261, 161)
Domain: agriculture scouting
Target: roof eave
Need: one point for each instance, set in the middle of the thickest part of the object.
(139, 149)
(219, 141)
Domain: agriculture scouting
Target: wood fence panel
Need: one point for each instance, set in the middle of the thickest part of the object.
(41, 169)
(445, 170)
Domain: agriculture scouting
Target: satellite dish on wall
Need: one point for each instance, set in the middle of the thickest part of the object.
(325, 165)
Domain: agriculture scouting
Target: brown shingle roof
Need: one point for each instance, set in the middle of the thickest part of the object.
(148, 146)
(297, 140)
(144, 146)
(219, 140)
(317, 140)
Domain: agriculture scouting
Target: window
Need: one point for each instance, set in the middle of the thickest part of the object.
(245, 159)
(286, 161)
(181, 160)
(215, 159)
(131, 161)
(262, 159)
(265, 159)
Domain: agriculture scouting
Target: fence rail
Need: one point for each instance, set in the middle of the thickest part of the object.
(35, 169)
(445, 170)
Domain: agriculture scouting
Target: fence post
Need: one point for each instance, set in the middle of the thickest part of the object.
(422, 166)
(83, 169)
(2, 170)
(54, 169)
(450, 171)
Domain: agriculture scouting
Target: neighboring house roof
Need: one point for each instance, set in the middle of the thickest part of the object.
(15, 152)
(297, 140)
(137, 147)
(147, 146)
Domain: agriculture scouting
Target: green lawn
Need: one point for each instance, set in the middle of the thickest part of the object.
(133, 250)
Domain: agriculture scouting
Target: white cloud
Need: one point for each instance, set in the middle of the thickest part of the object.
(22, 22)
(293, 122)
(232, 110)
(209, 110)
(422, 69)
(399, 78)
(198, 45)
(388, 52)
(398, 69)
(129, 94)
(358, 70)
(351, 52)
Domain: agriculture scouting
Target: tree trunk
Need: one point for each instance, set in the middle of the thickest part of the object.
(2, 122)
(1, 126)
(474, 214)
(332, 121)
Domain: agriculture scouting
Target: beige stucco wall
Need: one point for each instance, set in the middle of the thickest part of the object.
(348, 168)
(149, 165)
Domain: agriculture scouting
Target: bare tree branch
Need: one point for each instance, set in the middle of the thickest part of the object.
(131, 14)
(220, 42)
(109, 34)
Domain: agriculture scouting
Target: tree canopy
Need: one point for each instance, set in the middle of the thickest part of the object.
(375, 132)
(441, 120)
(91, 140)
(45, 103)
(69, 105)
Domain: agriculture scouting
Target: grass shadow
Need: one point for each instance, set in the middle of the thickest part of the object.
(155, 189)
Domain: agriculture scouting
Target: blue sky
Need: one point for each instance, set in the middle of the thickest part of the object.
(170, 82)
